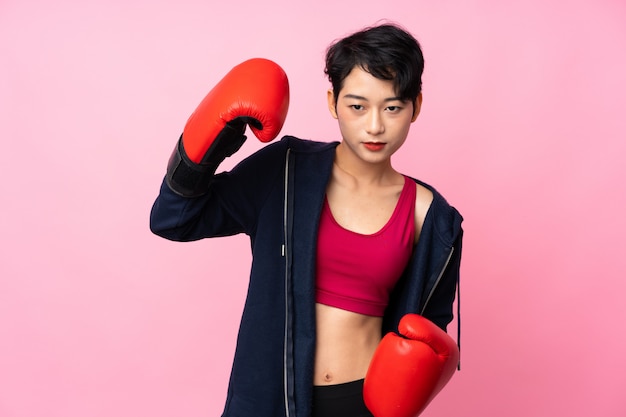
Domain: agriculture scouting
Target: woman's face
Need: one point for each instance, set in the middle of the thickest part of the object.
(374, 122)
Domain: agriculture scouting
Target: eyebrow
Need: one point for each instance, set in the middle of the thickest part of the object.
(357, 97)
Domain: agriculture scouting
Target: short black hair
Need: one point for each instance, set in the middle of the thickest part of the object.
(386, 51)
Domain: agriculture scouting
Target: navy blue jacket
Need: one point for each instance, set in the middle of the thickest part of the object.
(275, 196)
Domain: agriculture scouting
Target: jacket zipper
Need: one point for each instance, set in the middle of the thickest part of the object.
(458, 315)
(445, 265)
(284, 250)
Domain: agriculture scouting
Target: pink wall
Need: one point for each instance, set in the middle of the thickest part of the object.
(522, 129)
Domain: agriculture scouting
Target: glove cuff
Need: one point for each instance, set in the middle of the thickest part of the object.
(185, 177)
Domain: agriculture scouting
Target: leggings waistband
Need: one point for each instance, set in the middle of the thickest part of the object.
(346, 389)
(340, 400)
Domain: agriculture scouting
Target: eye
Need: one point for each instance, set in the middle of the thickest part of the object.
(394, 109)
(357, 106)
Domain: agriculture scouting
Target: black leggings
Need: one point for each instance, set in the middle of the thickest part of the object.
(341, 400)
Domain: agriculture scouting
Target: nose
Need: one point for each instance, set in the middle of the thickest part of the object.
(374, 124)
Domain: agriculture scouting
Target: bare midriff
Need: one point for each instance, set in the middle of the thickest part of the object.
(346, 342)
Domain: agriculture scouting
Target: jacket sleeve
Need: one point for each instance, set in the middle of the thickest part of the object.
(231, 205)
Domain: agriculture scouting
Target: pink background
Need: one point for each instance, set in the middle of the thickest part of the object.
(522, 128)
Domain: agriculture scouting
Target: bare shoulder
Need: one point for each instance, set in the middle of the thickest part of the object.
(423, 200)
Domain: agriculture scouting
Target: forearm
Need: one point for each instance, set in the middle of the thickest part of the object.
(178, 218)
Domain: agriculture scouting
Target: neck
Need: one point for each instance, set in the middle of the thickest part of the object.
(362, 171)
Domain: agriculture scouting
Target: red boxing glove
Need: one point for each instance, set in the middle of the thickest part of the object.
(406, 373)
(255, 93)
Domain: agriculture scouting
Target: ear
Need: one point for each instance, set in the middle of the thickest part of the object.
(417, 106)
(332, 104)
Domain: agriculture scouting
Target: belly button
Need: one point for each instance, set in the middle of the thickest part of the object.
(328, 377)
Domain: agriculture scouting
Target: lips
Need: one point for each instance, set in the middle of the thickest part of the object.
(374, 146)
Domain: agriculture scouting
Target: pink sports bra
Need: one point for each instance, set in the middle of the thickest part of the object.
(357, 272)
